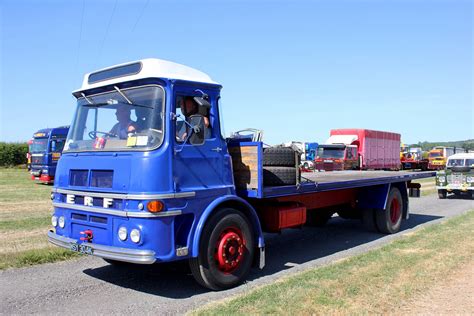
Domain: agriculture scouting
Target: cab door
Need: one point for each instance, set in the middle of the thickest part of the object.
(198, 167)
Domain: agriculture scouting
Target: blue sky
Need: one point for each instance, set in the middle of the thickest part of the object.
(295, 69)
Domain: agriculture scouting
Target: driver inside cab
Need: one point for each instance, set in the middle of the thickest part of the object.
(125, 125)
(189, 107)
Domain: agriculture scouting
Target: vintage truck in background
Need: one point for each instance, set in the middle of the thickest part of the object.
(457, 177)
(155, 194)
(414, 158)
(44, 152)
(349, 149)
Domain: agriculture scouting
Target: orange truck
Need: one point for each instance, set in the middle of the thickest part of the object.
(438, 156)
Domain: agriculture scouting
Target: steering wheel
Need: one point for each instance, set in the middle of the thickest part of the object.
(93, 134)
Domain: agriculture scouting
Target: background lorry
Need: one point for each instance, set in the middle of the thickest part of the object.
(438, 156)
(44, 151)
(414, 158)
(457, 177)
(151, 196)
(359, 149)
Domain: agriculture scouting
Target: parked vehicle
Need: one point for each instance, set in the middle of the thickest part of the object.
(359, 149)
(159, 194)
(414, 158)
(457, 177)
(437, 157)
(333, 157)
(45, 151)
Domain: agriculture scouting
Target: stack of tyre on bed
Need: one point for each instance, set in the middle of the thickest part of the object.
(280, 166)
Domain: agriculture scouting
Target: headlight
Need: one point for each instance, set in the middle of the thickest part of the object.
(44, 171)
(61, 221)
(470, 179)
(54, 220)
(135, 235)
(122, 233)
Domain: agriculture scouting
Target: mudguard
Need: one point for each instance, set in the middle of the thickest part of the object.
(215, 205)
(375, 197)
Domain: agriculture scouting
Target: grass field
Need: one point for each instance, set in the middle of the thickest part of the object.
(25, 217)
(380, 281)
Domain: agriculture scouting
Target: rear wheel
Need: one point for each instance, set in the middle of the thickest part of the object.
(226, 251)
(390, 219)
(442, 194)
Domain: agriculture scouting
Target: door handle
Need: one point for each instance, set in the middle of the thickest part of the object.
(217, 149)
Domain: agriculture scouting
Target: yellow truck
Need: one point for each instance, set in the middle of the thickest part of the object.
(438, 156)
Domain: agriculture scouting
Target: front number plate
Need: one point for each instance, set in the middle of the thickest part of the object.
(82, 248)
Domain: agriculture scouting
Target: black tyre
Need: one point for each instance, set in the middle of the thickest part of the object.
(390, 219)
(276, 176)
(442, 194)
(318, 217)
(226, 251)
(279, 156)
(368, 219)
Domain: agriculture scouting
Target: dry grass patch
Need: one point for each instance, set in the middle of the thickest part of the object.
(12, 242)
(376, 282)
(25, 217)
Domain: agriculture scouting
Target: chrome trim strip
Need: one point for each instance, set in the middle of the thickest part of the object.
(152, 215)
(116, 212)
(127, 196)
(107, 252)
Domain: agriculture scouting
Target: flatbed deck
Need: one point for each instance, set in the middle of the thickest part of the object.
(336, 180)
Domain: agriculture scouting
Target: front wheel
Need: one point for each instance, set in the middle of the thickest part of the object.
(389, 220)
(226, 251)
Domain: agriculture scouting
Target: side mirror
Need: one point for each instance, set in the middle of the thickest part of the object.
(203, 104)
(53, 146)
(197, 135)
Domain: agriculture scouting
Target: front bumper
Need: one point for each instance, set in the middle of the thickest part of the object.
(107, 252)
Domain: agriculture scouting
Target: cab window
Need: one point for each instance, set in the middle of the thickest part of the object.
(185, 107)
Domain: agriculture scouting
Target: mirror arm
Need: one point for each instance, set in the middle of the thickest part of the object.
(179, 149)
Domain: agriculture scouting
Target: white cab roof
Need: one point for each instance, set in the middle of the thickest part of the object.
(341, 139)
(152, 68)
(462, 156)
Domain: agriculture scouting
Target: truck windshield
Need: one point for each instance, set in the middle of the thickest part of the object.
(39, 145)
(434, 155)
(331, 152)
(107, 122)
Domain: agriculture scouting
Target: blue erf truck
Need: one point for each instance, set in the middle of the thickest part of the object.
(45, 150)
(147, 176)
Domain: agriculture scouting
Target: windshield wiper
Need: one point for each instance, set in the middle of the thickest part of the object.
(113, 101)
(128, 100)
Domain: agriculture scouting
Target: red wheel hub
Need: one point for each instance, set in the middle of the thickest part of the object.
(395, 211)
(229, 250)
